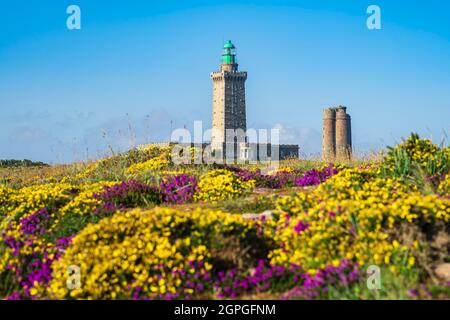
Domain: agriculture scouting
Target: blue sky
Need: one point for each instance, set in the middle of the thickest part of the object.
(135, 66)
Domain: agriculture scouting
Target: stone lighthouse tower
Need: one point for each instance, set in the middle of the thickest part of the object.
(228, 106)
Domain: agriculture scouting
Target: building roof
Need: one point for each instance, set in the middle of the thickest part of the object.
(228, 45)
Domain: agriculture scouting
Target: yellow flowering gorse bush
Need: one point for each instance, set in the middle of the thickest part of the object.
(29, 199)
(417, 152)
(144, 250)
(350, 217)
(103, 221)
(221, 184)
(444, 186)
(153, 164)
(84, 202)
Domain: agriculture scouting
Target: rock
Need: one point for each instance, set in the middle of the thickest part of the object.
(267, 214)
(443, 271)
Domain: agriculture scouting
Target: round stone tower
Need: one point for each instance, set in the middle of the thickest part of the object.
(337, 135)
(343, 134)
(329, 135)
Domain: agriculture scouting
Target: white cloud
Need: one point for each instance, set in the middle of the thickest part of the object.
(308, 139)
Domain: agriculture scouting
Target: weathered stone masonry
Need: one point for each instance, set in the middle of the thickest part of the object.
(337, 135)
(229, 115)
(228, 103)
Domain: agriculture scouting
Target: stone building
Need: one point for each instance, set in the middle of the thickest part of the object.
(229, 123)
(337, 135)
(228, 107)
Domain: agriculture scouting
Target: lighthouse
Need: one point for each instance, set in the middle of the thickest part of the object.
(228, 105)
(229, 137)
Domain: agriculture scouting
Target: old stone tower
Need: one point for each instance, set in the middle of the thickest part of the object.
(228, 107)
(337, 135)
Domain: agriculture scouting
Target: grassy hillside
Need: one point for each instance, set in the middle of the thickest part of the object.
(137, 226)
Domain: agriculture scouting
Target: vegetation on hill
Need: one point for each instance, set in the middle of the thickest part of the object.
(20, 163)
(137, 226)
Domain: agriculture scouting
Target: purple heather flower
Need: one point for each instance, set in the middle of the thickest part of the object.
(178, 189)
(126, 194)
(311, 286)
(314, 177)
(36, 223)
(301, 226)
(63, 243)
(412, 293)
(14, 244)
(14, 296)
(275, 181)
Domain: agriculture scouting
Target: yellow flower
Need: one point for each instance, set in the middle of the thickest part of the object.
(153, 164)
(104, 258)
(218, 185)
